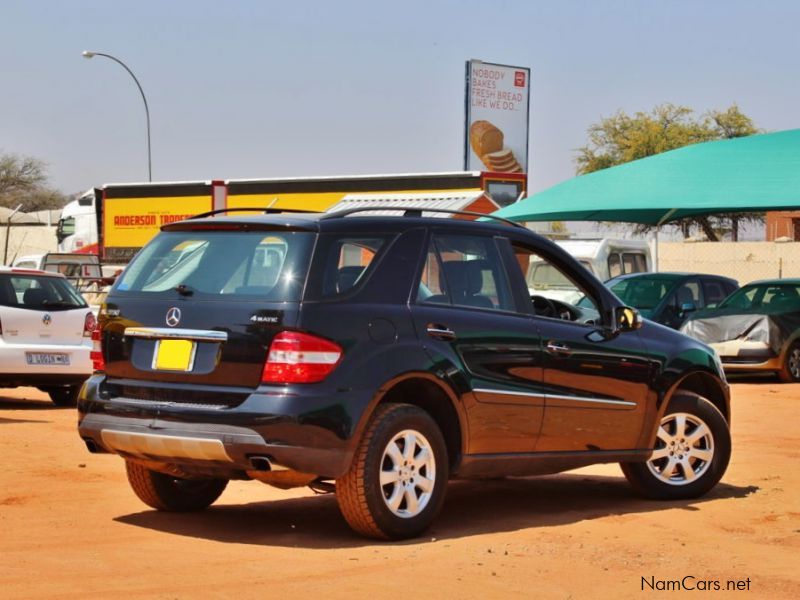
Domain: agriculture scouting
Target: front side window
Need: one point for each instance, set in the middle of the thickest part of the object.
(555, 291)
(688, 293)
(65, 228)
(465, 271)
(614, 265)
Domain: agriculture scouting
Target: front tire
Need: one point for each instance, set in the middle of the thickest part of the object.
(790, 373)
(167, 493)
(397, 480)
(692, 451)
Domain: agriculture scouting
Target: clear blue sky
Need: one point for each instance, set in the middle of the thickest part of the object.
(267, 89)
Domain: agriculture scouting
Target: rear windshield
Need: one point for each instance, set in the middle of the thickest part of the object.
(234, 264)
(39, 292)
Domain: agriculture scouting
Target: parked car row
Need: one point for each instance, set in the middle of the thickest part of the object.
(755, 328)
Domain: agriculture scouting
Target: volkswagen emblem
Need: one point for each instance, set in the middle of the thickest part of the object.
(47, 319)
(173, 316)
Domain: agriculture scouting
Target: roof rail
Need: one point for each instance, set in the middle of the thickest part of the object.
(416, 212)
(261, 209)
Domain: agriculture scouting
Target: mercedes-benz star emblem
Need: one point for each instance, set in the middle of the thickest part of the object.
(173, 316)
(46, 319)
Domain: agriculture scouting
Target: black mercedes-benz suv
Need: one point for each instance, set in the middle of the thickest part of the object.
(379, 356)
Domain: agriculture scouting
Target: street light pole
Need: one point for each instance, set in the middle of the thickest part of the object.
(89, 54)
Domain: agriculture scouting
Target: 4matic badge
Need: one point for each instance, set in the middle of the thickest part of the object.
(271, 317)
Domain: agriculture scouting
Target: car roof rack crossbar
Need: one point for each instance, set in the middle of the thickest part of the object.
(261, 209)
(415, 212)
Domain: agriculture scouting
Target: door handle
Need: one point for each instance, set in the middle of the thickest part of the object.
(558, 349)
(440, 332)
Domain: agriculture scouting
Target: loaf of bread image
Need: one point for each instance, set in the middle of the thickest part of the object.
(502, 160)
(484, 138)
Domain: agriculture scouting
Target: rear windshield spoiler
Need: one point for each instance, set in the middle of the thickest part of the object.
(232, 224)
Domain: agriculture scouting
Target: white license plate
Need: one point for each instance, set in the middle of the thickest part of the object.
(47, 358)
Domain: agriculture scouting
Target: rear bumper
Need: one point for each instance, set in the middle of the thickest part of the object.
(15, 370)
(282, 428)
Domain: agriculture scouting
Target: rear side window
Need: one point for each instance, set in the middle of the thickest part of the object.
(343, 263)
(39, 293)
(714, 291)
(464, 271)
(234, 264)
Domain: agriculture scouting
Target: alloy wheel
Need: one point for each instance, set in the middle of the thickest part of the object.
(684, 449)
(408, 473)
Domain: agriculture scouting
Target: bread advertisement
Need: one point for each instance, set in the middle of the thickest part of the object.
(496, 137)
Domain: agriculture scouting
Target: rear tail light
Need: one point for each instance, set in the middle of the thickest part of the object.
(96, 354)
(89, 325)
(300, 358)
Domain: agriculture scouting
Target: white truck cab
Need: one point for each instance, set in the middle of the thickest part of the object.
(605, 258)
(77, 227)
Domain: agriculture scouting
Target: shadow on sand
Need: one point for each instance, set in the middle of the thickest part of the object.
(471, 508)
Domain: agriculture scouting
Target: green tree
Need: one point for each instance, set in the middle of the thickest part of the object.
(23, 180)
(622, 138)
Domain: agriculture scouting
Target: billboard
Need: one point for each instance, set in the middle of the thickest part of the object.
(129, 223)
(497, 116)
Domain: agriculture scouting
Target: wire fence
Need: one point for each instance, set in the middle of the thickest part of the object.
(742, 261)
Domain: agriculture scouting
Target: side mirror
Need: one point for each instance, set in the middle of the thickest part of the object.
(688, 307)
(627, 318)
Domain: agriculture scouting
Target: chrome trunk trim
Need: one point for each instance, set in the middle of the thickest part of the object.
(154, 333)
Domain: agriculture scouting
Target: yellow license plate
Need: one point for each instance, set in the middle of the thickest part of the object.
(174, 355)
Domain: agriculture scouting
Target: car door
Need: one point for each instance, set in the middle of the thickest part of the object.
(466, 317)
(596, 383)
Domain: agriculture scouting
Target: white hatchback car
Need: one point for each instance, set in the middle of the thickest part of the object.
(45, 334)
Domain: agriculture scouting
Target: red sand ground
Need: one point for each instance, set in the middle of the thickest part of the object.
(70, 527)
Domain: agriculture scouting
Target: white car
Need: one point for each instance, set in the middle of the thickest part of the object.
(45, 334)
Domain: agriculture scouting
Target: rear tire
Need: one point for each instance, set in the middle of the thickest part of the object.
(167, 493)
(63, 396)
(397, 480)
(692, 451)
(790, 373)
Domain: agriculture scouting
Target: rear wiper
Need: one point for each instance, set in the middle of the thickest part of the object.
(184, 290)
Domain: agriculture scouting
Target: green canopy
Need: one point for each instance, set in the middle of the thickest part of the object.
(749, 174)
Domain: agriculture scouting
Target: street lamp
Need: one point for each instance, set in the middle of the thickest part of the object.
(89, 54)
